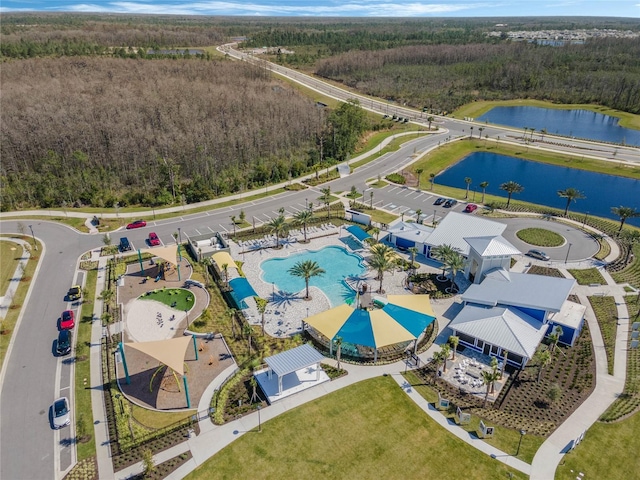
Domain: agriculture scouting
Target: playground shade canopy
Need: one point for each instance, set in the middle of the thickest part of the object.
(357, 232)
(168, 352)
(221, 258)
(397, 322)
(242, 288)
(168, 253)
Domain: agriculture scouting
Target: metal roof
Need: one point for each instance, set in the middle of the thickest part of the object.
(411, 231)
(539, 292)
(492, 246)
(292, 360)
(455, 227)
(357, 232)
(504, 327)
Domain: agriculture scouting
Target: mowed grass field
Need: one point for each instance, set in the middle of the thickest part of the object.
(10, 252)
(369, 430)
(608, 451)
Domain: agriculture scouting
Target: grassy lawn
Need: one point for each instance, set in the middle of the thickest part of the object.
(9, 322)
(84, 414)
(10, 253)
(153, 419)
(176, 298)
(540, 237)
(506, 439)
(476, 109)
(607, 315)
(369, 430)
(631, 273)
(588, 276)
(608, 451)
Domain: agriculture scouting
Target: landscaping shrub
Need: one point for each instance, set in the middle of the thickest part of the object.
(396, 178)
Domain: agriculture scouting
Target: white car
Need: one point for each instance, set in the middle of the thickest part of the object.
(61, 413)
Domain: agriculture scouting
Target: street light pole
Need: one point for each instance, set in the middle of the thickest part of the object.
(179, 243)
(568, 250)
(522, 434)
(584, 220)
(259, 420)
(35, 244)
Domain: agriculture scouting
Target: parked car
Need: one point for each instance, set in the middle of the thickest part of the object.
(153, 239)
(540, 255)
(439, 201)
(63, 346)
(137, 224)
(472, 207)
(61, 413)
(450, 203)
(67, 320)
(74, 293)
(125, 245)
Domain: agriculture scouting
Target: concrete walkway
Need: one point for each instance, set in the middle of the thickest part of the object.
(14, 282)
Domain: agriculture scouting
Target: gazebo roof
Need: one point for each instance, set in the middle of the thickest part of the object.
(221, 258)
(169, 352)
(292, 360)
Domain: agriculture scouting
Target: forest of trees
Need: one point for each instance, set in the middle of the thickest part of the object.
(93, 131)
(444, 77)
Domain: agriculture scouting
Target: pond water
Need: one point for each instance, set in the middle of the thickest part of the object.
(572, 123)
(541, 183)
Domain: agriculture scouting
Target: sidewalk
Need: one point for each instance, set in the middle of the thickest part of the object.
(101, 428)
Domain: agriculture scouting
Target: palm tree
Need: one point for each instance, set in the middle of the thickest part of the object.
(454, 340)
(555, 336)
(225, 270)
(571, 194)
(338, 342)
(480, 129)
(454, 263)
(467, 180)
(445, 350)
(306, 269)
(542, 358)
(326, 199)
(441, 253)
(483, 186)
(419, 172)
(418, 213)
(430, 120)
(438, 359)
(246, 330)
(302, 218)
(471, 134)
(543, 132)
(206, 263)
(230, 314)
(488, 377)
(511, 187)
(414, 252)
(383, 259)
(278, 226)
(624, 213)
(432, 178)
(262, 303)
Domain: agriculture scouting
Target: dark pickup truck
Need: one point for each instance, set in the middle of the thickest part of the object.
(124, 244)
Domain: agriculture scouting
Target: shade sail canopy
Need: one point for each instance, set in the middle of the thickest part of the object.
(242, 288)
(168, 253)
(357, 232)
(221, 258)
(413, 312)
(379, 327)
(169, 352)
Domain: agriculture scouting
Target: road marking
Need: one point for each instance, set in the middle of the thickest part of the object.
(197, 231)
(392, 189)
(223, 227)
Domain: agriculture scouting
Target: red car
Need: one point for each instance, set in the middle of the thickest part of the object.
(153, 239)
(67, 321)
(472, 207)
(137, 224)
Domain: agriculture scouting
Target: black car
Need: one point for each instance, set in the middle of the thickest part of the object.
(450, 203)
(63, 347)
(125, 245)
(439, 201)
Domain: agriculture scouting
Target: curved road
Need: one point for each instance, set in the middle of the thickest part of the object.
(33, 377)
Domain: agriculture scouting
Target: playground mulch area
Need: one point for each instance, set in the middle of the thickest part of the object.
(155, 386)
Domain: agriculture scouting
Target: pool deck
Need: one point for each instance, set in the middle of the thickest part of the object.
(286, 310)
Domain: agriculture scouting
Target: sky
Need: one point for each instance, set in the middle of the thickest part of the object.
(339, 8)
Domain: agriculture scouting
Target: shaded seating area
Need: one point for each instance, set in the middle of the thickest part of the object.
(369, 334)
(241, 289)
(290, 372)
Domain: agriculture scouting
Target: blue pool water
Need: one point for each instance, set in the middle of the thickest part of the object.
(541, 183)
(573, 123)
(337, 262)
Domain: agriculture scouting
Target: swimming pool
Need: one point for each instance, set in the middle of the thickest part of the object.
(337, 262)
